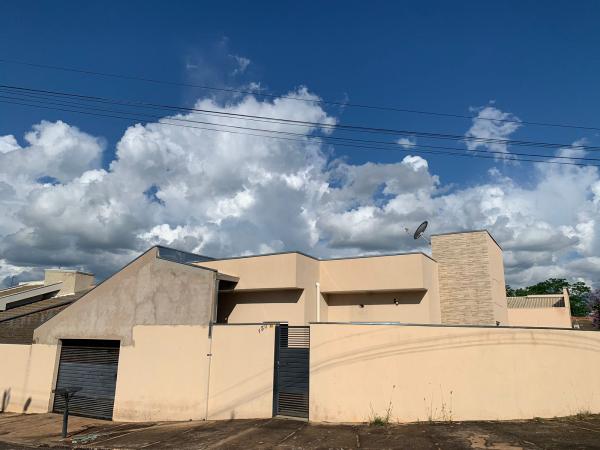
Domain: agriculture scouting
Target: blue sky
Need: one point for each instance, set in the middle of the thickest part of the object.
(537, 63)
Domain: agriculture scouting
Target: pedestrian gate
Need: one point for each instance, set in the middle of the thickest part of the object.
(292, 351)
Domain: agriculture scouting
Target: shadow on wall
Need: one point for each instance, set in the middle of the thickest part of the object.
(5, 400)
(376, 298)
(494, 338)
(229, 300)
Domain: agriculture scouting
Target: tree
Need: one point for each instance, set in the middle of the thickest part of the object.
(593, 301)
(578, 292)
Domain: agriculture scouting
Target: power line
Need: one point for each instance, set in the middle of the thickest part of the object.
(471, 154)
(336, 139)
(288, 97)
(355, 128)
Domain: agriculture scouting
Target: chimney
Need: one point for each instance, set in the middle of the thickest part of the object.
(471, 278)
(73, 281)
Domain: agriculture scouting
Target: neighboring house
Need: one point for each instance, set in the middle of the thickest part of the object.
(176, 336)
(25, 307)
(540, 310)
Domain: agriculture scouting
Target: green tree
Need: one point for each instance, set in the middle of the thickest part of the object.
(593, 299)
(578, 292)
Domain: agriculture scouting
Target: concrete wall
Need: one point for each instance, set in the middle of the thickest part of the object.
(27, 377)
(471, 278)
(283, 287)
(413, 307)
(451, 373)
(498, 288)
(163, 375)
(241, 372)
(262, 306)
(278, 287)
(559, 317)
(149, 291)
(160, 312)
(72, 280)
(378, 273)
(260, 272)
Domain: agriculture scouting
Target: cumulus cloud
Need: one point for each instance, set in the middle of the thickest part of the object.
(229, 194)
(490, 127)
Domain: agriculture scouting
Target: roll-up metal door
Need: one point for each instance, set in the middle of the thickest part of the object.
(92, 366)
(292, 354)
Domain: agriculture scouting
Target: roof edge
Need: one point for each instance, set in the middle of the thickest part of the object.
(470, 231)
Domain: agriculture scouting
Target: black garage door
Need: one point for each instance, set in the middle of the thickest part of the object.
(92, 366)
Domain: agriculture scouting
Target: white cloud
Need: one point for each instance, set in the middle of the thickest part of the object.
(242, 64)
(224, 194)
(406, 142)
(491, 125)
(8, 144)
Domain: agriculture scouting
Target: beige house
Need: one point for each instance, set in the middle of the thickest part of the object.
(178, 336)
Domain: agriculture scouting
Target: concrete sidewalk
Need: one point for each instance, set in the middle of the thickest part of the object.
(43, 430)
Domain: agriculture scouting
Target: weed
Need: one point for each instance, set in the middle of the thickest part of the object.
(583, 414)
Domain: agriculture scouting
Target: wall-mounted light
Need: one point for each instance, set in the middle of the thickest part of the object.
(396, 302)
(361, 306)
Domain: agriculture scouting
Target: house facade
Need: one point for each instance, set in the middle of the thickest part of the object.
(179, 336)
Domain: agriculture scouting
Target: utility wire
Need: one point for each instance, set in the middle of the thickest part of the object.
(356, 128)
(471, 154)
(336, 139)
(288, 97)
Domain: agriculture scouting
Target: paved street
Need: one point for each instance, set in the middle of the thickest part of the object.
(31, 431)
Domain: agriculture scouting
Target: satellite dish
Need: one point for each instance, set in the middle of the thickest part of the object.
(420, 230)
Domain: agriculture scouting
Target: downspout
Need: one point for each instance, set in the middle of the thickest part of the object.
(318, 302)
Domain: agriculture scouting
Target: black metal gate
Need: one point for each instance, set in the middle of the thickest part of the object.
(92, 366)
(292, 353)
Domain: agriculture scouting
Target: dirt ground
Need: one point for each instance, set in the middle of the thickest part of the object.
(43, 430)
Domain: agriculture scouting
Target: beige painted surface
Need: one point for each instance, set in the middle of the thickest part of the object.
(540, 317)
(413, 307)
(470, 274)
(279, 287)
(392, 273)
(264, 291)
(26, 377)
(498, 288)
(163, 375)
(262, 306)
(149, 291)
(307, 274)
(458, 373)
(72, 281)
(260, 272)
(241, 372)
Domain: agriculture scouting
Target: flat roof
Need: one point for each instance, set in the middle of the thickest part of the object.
(70, 271)
(381, 255)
